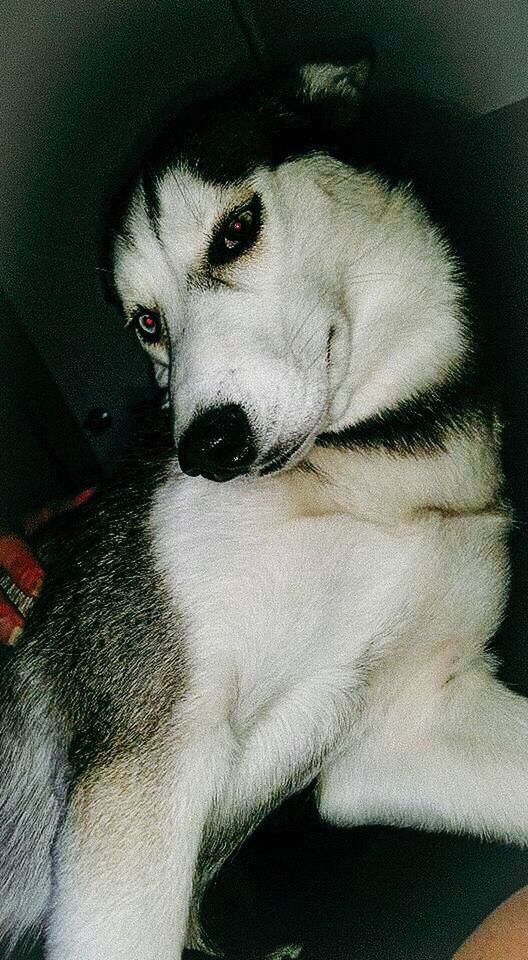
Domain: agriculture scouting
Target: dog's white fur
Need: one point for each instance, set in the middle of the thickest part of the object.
(336, 619)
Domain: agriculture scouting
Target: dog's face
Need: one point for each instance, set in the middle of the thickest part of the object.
(269, 299)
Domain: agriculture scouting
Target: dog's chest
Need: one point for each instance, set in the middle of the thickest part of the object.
(271, 603)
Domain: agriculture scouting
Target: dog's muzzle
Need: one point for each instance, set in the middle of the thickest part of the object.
(219, 444)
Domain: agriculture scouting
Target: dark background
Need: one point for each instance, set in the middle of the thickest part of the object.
(80, 82)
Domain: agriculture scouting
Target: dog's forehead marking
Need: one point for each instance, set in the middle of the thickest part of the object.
(157, 252)
(189, 206)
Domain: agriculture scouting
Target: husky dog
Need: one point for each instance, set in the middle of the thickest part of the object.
(207, 648)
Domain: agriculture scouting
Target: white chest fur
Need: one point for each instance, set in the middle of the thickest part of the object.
(289, 610)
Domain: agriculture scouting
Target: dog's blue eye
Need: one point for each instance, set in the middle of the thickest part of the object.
(147, 325)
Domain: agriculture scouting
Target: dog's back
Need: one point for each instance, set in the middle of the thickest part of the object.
(97, 670)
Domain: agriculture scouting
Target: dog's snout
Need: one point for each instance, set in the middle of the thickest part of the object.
(219, 444)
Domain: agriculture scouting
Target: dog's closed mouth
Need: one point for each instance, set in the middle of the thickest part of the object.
(279, 459)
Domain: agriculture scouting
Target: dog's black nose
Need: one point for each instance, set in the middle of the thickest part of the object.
(219, 444)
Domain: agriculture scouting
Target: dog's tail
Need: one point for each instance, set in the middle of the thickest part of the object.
(30, 807)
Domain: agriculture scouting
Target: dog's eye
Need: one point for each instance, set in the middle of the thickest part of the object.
(238, 229)
(148, 326)
(236, 233)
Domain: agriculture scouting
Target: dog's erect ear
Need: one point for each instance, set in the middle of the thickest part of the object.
(327, 97)
(320, 82)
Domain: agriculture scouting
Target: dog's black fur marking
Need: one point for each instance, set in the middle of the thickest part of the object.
(266, 121)
(152, 200)
(222, 139)
(418, 425)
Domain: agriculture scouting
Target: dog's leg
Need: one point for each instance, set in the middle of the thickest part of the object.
(451, 755)
(126, 858)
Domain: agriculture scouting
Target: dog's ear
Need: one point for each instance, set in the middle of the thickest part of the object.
(324, 100)
(327, 83)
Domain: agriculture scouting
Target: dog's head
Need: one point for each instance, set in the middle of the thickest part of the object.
(281, 293)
